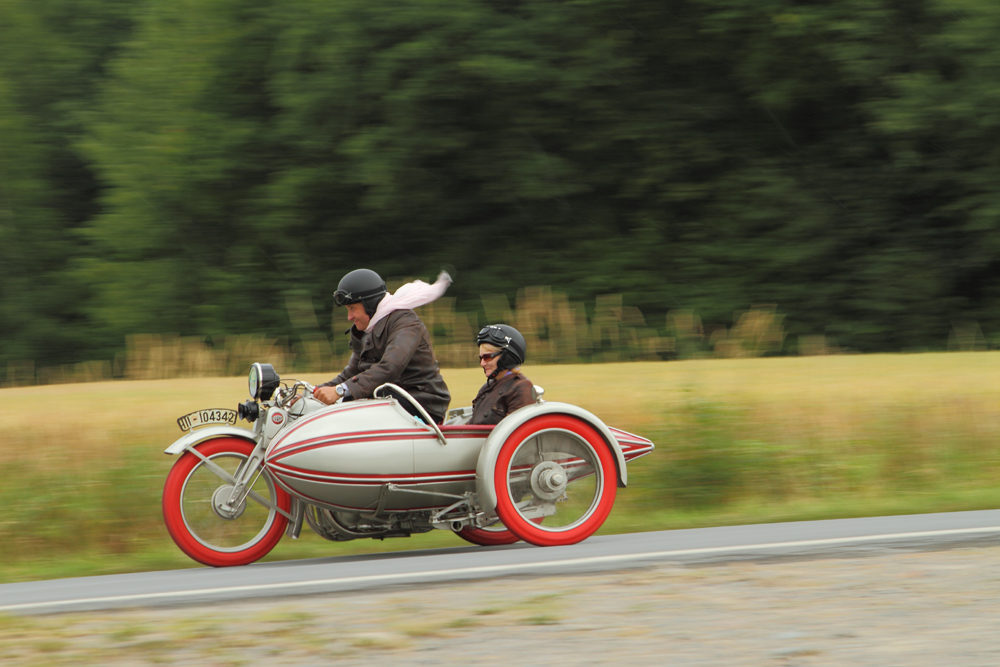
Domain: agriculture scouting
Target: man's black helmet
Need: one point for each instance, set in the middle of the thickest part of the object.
(508, 339)
(362, 286)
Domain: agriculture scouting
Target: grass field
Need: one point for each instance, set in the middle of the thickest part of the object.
(738, 441)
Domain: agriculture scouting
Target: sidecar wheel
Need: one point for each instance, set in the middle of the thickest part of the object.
(560, 468)
(202, 533)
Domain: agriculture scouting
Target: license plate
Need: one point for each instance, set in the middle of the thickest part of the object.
(205, 417)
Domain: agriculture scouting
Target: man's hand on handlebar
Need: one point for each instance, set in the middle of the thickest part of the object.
(326, 395)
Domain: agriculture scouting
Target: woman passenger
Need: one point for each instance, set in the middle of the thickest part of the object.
(501, 353)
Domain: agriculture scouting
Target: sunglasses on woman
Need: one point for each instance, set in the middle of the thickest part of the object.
(490, 355)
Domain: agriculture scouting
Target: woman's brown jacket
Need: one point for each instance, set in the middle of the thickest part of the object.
(498, 398)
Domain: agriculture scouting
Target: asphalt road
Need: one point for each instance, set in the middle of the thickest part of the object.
(837, 538)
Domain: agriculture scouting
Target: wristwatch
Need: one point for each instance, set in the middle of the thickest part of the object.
(341, 389)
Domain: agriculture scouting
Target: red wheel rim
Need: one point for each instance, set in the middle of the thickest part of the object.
(210, 539)
(487, 538)
(581, 453)
(492, 536)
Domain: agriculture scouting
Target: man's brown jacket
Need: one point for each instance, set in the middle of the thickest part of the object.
(398, 350)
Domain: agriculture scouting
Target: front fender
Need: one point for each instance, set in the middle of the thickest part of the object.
(491, 450)
(202, 434)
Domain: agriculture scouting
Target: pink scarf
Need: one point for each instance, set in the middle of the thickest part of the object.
(410, 296)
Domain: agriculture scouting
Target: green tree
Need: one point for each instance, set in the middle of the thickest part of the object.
(183, 144)
(51, 55)
(834, 158)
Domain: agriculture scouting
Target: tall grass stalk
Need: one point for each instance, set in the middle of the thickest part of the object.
(556, 330)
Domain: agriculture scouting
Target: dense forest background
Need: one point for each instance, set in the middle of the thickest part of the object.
(208, 168)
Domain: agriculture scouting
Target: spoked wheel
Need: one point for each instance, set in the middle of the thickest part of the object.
(193, 507)
(560, 468)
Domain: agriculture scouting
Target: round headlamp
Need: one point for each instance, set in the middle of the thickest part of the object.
(263, 380)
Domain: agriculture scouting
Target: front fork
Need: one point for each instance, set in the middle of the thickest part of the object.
(252, 469)
(246, 477)
(230, 501)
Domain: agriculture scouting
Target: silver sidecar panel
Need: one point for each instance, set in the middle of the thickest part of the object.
(451, 468)
(488, 457)
(343, 455)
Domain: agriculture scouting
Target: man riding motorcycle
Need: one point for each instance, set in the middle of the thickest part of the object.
(389, 343)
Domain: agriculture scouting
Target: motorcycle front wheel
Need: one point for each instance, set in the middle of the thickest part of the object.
(200, 529)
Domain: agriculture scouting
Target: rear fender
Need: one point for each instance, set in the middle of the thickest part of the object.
(208, 433)
(491, 450)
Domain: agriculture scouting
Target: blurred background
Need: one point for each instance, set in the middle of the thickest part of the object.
(183, 183)
(623, 179)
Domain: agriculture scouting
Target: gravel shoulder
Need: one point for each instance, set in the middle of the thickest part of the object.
(913, 609)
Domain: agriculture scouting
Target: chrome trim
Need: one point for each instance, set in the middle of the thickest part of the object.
(420, 408)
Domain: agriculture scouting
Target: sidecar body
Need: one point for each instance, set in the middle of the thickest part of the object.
(339, 457)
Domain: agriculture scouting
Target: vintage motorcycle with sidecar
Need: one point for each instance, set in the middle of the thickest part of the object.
(546, 474)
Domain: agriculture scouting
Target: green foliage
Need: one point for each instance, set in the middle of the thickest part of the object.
(709, 468)
(108, 510)
(716, 457)
(51, 54)
(190, 168)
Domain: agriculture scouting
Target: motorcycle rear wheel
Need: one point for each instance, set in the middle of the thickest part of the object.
(488, 537)
(201, 532)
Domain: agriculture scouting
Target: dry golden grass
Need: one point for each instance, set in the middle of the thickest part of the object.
(826, 397)
(738, 440)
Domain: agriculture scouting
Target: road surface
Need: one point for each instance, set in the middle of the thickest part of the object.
(375, 572)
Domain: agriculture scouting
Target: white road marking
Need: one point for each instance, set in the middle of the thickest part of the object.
(416, 577)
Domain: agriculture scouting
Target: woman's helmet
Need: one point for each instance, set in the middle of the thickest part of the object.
(362, 286)
(506, 338)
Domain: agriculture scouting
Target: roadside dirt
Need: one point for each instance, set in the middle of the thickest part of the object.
(913, 609)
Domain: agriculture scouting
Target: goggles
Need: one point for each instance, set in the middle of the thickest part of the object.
(494, 336)
(342, 298)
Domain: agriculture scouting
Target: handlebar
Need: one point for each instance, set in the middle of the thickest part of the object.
(286, 395)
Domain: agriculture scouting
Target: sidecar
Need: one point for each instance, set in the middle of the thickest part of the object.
(547, 474)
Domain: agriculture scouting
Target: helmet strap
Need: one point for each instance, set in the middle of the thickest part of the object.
(371, 303)
(500, 366)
